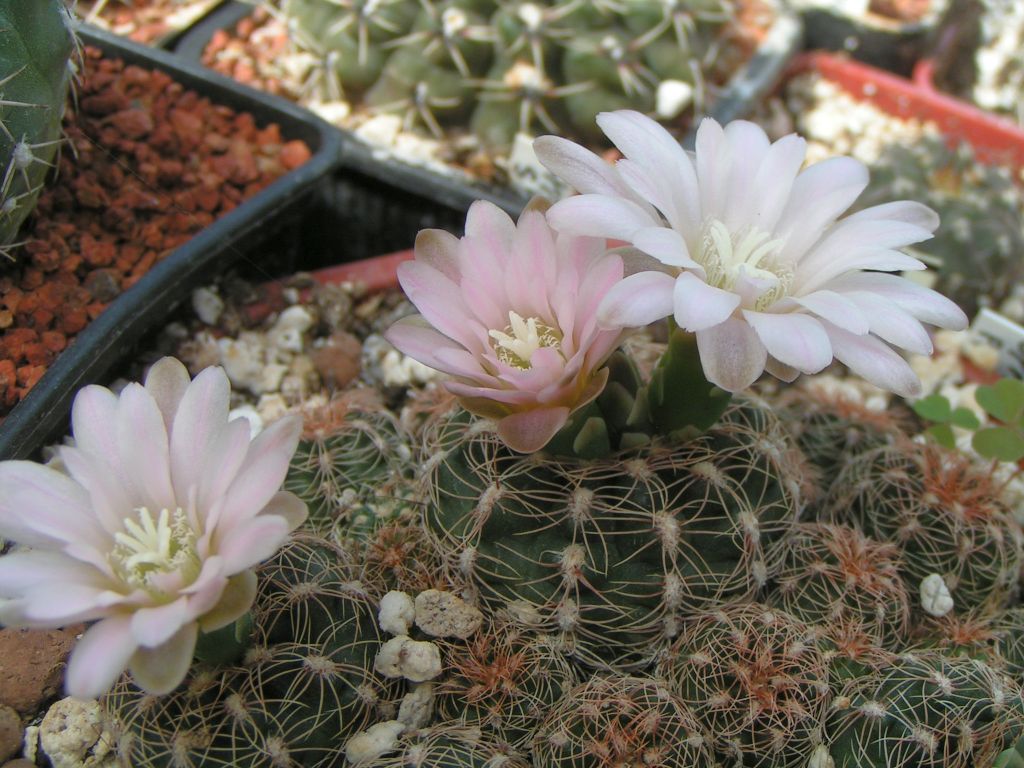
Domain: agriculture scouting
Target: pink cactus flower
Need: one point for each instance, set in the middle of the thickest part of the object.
(510, 313)
(153, 531)
(749, 253)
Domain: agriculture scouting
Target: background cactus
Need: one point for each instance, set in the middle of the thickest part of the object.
(614, 721)
(757, 682)
(977, 251)
(449, 746)
(612, 554)
(36, 43)
(836, 577)
(305, 682)
(508, 66)
(945, 513)
(925, 710)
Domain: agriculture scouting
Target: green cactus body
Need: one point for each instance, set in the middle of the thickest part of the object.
(944, 512)
(978, 248)
(613, 721)
(837, 578)
(757, 682)
(349, 465)
(612, 554)
(503, 681)
(925, 711)
(1009, 631)
(305, 683)
(448, 746)
(36, 43)
(501, 68)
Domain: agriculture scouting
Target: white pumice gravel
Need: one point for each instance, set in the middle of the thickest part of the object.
(936, 599)
(415, 660)
(397, 613)
(375, 741)
(445, 614)
(74, 734)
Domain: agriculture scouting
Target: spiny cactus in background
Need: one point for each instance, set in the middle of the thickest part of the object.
(613, 721)
(508, 66)
(36, 43)
(1009, 631)
(756, 680)
(613, 553)
(502, 680)
(304, 683)
(834, 576)
(831, 428)
(926, 709)
(944, 512)
(362, 456)
(978, 250)
(449, 746)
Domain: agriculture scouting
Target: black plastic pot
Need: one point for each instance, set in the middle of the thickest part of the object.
(286, 205)
(877, 40)
(746, 88)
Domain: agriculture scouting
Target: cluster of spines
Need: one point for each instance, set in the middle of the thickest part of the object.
(508, 66)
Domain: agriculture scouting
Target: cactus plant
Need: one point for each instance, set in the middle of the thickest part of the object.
(503, 680)
(925, 710)
(509, 66)
(36, 43)
(977, 250)
(613, 553)
(833, 576)
(305, 681)
(449, 746)
(945, 513)
(613, 721)
(756, 680)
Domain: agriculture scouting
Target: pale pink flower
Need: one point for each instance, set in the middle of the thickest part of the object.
(510, 313)
(154, 530)
(751, 255)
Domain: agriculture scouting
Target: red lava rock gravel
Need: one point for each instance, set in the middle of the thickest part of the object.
(149, 165)
(145, 21)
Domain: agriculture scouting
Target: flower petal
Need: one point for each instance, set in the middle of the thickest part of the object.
(698, 305)
(794, 339)
(289, 507)
(578, 167)
(835, 308)
(891, 324)
(252, 542)
(637, 300)
(99, 657)
(413, 336)
(143, 449)
(167, 381)
(774, 181)
(42, 508)
(237, 598)
(923, 303)
(155, 626)
(440, 301)
(94, 420)
(160, 670)
(667, 246)
(440, 250)
(266, 465)
(30, 569)
(599, 216)
(531, 430)
(732, 355)
(874, 360)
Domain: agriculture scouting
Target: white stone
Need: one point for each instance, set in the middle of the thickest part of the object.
(250, 414)
(271, 407)
(397, 612)
(444, 614)
(417, 706)
(935, 597)
(74, 735)
(414, 660)
(820, 758)
(375, 741)
(207, 305)
(672, 98)
(288, 331)
(381, 130)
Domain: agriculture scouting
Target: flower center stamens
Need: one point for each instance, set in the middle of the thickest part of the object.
(150, 546)
(749, 255)
(516, 345)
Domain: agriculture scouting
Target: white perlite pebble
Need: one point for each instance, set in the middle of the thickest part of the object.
(672, 98)
(73, 735)
(417, 706)
(935, 597)
(287, 331)
(375, 741)
(396, 613)
(414, 660)
(207, 305)
(443, 614)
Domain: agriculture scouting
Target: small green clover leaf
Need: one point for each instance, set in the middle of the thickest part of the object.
(938, 409)
(1004, 401)
(1003, 443)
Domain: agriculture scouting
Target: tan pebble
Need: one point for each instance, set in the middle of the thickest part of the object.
(10, 732)
(443, 614)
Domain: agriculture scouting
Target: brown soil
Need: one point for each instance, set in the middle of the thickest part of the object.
(145, 21)
(148, 164)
